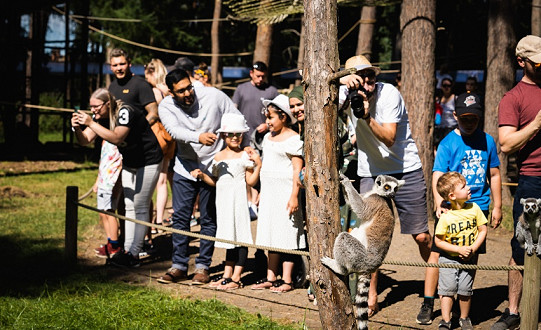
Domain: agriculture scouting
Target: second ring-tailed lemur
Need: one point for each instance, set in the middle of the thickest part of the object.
(528, 222)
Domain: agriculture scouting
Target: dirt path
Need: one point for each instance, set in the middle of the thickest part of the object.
(400, 286)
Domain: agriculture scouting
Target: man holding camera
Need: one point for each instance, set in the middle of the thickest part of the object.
(385, 146)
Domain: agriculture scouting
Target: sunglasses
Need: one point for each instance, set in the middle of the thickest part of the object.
(445, 85)
(231, 135)
(184, 90)
(535, 65)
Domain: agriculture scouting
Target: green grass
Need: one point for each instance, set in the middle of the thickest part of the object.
(38, 290)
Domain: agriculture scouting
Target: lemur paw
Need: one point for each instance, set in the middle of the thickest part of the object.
(529, 249)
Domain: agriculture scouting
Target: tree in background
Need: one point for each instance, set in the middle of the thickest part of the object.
(500, 73)
(216, 74)
(366, 31)
(417, 22)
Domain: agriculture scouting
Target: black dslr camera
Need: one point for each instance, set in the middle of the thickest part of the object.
(357, 102)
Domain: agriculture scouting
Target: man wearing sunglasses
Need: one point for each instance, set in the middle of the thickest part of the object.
(519, 119)
(192, 117)
(385, 146)
(131, 89)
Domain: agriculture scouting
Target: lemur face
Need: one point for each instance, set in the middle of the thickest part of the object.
(530, 205)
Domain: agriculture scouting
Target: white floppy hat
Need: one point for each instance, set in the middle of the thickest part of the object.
(281, 102)
(233, 123)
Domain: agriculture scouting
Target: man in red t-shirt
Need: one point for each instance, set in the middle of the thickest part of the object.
(519, 125)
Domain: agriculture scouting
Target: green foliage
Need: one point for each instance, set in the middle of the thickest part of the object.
(90, 302)
(51, 122)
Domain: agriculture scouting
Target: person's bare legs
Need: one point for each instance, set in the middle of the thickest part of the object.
(373, 306)
(446, 306)
(464, 302)
(424, 242)
(515, 288)
(110, 224)
(287, 271)
(161, 192)
(431, 275)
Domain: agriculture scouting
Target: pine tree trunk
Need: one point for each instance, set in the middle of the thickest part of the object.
(536, 17)
(263, 43)
(216, 74)
(417, 22)
(366, 31)
(321, 179)
(501, 44)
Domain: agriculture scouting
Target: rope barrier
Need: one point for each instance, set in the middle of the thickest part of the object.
(295, 252)
(158, 49)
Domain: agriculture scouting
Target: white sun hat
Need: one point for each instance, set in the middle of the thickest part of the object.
(281, 102)
(233, 123)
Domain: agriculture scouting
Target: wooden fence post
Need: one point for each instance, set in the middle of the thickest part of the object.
(70, 249)
(530, 292)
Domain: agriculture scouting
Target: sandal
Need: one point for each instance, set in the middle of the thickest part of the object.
(262, 284)
(278, 287)
(228, 284)
(216, 281)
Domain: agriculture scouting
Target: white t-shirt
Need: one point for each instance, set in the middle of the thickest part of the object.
(374, 156)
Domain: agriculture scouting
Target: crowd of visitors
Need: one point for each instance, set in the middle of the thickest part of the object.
(217, 167)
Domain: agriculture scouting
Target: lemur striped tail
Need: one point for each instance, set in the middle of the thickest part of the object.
(361, 301)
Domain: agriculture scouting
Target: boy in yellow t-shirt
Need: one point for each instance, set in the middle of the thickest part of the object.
(459, 234)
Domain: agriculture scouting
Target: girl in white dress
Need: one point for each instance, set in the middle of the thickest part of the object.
(231, 169)
(280, 222)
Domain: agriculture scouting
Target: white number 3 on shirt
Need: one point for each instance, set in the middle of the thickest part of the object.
(123, 116)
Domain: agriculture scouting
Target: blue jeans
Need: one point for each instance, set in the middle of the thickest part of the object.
(528, 186)
(184, 195)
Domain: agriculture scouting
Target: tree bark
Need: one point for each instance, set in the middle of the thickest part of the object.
(263, 43)
(417, 23)
(536, 17)
(321, 144)
(366, 30)
(300, 58)
(501, 44)
(216, 74)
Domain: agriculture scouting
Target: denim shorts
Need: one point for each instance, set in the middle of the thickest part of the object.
(106, 200)
(453, 281)
(528, 186)
(410, 201)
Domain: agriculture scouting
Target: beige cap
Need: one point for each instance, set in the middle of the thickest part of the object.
(360, 63)
(529, 47)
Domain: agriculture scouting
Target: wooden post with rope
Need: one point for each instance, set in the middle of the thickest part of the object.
(70, 249)
(530, 292)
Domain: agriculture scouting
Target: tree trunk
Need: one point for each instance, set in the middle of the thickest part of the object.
(536, 17)
(321, 143)
(216, 74)
(300, 58)
(366, 30)
(501, 44)
(417, 23)
(263, 43)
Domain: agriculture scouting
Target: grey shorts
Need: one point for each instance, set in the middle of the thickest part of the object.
(410, 201)
(455, 281)
(106, 200)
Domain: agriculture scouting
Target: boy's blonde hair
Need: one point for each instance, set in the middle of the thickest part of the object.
(448, 182)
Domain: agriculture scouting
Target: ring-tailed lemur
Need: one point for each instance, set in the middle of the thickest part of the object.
(528, 222)
(363, 249)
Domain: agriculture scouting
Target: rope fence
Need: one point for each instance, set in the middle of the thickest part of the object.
(295, 252)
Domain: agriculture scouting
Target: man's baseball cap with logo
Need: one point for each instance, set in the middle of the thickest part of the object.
(361, 63)
(468, 104)
(529, 47)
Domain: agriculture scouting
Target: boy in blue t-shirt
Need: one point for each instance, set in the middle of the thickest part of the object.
(472, 153)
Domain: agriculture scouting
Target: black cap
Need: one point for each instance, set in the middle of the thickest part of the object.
(260, 66)
(468, 103)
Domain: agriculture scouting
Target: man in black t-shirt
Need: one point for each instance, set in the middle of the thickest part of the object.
(131, 89)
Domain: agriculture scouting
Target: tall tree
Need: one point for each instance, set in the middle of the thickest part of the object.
(263, 43)
(417, 23)
(366, 30)
(536, 17)
(321, 59)
(216, 76)
(300, 58)
(500, 72)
